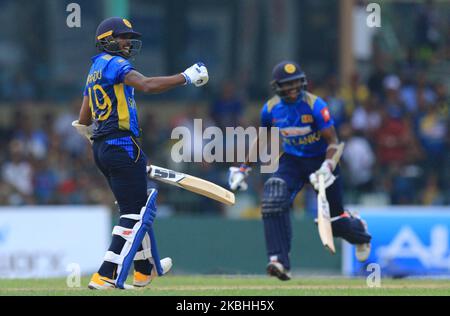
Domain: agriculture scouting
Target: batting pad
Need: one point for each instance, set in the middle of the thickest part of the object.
(133, 239)
(150, 251)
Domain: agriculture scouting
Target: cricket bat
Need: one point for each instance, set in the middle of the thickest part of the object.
(191, 183)
(323, 217)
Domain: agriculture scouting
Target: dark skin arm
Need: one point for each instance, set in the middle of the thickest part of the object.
(153, 84)
(330, 136)
(140, 83)
(85, 113)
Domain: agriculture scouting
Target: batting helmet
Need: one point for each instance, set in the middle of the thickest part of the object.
(110, 29)
(287, 72)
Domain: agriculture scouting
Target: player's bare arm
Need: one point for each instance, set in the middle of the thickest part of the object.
(330, 136)
(85, 113)
(332, 157)
(153, 84)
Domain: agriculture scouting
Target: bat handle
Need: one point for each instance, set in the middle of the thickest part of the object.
(321, 179)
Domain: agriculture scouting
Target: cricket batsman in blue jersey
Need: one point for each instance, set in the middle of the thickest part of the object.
(108, 118)
(310, 148)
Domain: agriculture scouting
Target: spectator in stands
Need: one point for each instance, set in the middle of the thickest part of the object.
(336, 103)
(227, 110)
(45, 182)
(73, 143)
(359, 160)
(393, 139)
(432, 193)
(355, 94)
(432, 133)
(442, 101)
(154, 135)
(392, 102)
(367, 117)
(17, 173)
(34, 141)
(427, 27)
(376, 78)
(417, 96)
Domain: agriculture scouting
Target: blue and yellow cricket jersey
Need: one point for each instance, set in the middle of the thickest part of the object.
(111, 101)
(300, 124)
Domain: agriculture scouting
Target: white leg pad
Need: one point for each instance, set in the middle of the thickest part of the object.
(128, 234)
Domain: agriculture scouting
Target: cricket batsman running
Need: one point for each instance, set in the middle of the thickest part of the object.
(310, 149)
(108, 117)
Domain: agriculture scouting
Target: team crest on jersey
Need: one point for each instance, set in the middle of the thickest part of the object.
(295, 131)
(307, 119)
(325, 114)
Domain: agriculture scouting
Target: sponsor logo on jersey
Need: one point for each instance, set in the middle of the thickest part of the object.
(304, 140)
(295, 131)
(274, 121)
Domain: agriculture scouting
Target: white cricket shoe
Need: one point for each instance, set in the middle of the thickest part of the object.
(362, 250)
(142, 280)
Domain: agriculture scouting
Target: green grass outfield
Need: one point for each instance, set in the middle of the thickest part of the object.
(235, 286)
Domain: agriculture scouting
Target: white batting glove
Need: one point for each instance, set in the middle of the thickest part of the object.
(326, 170)
(236, 178)
(196, 74)
(83, 130)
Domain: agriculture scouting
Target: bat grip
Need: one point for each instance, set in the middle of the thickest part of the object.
(321, 179)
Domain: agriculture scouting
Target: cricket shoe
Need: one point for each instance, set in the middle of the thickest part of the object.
(142, 280)
(276, 269)
(99, 282)
(362, 250)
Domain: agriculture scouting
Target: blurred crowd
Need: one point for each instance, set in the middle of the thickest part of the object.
(397, 137)
(394, 118)
(396, 130)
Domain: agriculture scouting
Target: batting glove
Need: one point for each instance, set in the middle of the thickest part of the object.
(236, 177)
(83, 130)
(326, 171)
(196, 74)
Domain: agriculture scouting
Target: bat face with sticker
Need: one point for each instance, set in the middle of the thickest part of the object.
(191, 183)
